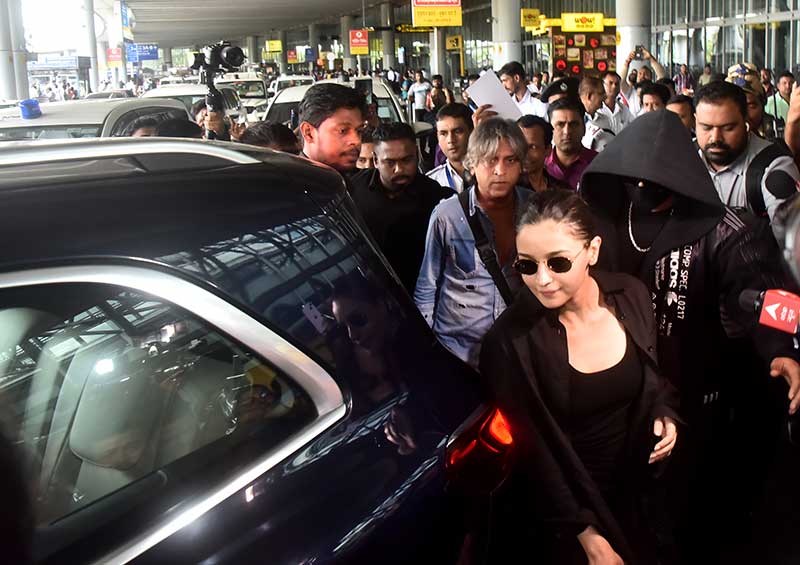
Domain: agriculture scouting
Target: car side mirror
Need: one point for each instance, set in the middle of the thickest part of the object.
(421, 129)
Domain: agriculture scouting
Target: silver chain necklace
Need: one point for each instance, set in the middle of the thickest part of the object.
(630, 232)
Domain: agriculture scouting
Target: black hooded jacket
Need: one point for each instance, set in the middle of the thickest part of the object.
(699, 263)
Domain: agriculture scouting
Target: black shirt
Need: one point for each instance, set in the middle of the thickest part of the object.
(400, 224)
(599, 406)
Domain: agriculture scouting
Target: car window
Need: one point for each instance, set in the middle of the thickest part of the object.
(248, 88)
(281, 112)
(386, 110)
(49, 132)
(108, 389)
(122, 127)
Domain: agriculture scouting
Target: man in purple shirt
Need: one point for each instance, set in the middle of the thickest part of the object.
(569, 157)
(684, 80)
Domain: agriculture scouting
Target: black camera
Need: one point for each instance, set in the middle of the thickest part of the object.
(213, 60)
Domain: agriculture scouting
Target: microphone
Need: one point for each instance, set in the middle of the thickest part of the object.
(777, 309)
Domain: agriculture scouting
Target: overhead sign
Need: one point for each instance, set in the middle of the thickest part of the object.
(131, 55)
(406, 28)
(274, 46)
(128, 21)
(291, 56)
(359, 42)
(310, 54)
(453, 42)
(580, 22)
(436, 13)
(529, 17)
(147, 51)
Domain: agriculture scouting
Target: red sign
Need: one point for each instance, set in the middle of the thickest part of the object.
(780, 310)
(359, 42)
(114, 54)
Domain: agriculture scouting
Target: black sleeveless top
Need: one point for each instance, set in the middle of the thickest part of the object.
(599, 405)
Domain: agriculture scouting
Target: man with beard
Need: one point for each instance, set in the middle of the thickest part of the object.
(661, 220)
(396, 200)
(453, 126)
(747, 171)
(331, 119)
(569, 158)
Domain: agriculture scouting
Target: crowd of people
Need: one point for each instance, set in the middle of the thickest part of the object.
(588, 261)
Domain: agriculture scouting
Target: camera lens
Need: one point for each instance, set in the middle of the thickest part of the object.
(232, 56)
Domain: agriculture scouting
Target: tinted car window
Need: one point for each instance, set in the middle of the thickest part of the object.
(281, 112)
(108, 389)
(122, 127)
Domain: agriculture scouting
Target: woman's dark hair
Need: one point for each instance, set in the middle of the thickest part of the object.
(271, 134)
(179, 127)
(561, 206)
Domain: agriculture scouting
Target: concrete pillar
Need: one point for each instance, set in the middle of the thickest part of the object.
(90, 42)
(387, 19)
(282, 64)
(313, 41)
(8, 81)
(633, 28)
(506, 32)
(168, 56)
(18, 50)
(438, 53)
(102, 60)
(253, 51)
(346, 24)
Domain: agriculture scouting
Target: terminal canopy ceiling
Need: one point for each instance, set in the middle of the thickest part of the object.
(177, 23)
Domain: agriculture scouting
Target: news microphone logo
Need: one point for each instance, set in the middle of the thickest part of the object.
(777, 309)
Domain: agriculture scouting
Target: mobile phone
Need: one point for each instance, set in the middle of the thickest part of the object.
(472, 105)
(639, 51)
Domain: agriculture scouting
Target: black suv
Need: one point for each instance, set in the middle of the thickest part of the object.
(204, 359)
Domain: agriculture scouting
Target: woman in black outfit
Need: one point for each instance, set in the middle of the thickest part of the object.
(571, 364)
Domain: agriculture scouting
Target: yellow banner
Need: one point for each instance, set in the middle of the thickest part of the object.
(529, 17)
(580, 22)
(436, 16)
(274, 46)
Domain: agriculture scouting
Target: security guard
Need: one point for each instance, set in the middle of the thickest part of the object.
(748, 171)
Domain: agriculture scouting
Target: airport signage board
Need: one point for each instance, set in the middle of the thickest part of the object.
(436, 13)
(359, 42)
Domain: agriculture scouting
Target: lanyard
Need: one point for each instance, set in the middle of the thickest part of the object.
(450, 180)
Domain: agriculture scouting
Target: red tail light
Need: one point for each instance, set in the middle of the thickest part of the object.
(498, 429)
(478, 455)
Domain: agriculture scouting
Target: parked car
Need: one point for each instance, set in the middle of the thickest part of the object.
(191, 93)
(105, 94)
(206, 359)
(86, 118)
(389, 106)
(288, 81)
(252, 90)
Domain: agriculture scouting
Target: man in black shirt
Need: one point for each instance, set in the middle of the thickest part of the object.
(396, 200)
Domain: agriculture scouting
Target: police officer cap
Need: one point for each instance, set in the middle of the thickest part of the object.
(566, 85)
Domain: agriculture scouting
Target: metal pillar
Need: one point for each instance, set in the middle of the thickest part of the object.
(283, 66)
(8, 81)
(346, 24)
(313, 41)
(506, 32)
(633, 28)
(90, 39)
(18, 51)
(387, 37)
(253, 52)
(438, 53)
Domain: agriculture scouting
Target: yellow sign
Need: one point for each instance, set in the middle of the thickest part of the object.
(291, 56)
(529, 17)
(274, 46)
(436, 13)
(579, 22)
(453, 42)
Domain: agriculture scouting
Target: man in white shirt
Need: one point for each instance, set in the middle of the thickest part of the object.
(535, 85)
(453, 127)
(613, 106)
(598, 126)
(512, 75)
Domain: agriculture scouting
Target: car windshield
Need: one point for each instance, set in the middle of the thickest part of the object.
(49, 132)
(187, 99)
(286, 83)
(281, 112)
(248, 88)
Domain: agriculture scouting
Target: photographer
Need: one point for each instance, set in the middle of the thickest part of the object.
(644, 73)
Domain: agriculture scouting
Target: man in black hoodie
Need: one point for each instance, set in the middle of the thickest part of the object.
(660, 219)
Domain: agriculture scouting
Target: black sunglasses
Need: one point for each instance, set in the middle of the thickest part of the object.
(557, 265)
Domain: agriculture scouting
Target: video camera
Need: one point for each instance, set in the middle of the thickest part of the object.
(213, 60)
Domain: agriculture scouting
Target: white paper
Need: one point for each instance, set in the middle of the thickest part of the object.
(489, 90)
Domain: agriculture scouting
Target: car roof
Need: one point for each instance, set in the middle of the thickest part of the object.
(88, 112)
(296, 93)
(187, 89)
(238, 77)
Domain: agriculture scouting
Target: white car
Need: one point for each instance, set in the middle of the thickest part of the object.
(289, 81)
(173, 79)
(86, 118)
(106, 94)
(389, 106)
(191, 93)
(252, 91)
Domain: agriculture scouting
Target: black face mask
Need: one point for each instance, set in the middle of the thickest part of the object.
(646, 198)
